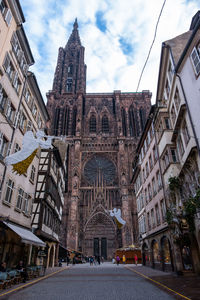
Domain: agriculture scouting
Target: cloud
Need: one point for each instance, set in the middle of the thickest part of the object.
(116, 36)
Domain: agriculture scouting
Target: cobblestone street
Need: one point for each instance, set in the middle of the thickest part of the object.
(85, 282)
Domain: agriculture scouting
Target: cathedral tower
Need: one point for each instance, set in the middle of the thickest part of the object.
(101, 132)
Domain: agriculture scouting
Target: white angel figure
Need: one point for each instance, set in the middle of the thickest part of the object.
(22, 159)
(116, 213)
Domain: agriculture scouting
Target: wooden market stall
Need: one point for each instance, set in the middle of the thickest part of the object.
(129, 252)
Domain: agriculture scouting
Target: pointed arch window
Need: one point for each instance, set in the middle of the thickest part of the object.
(65, 121)
(93, 123)
(56, 121)
(70, 69)
(124, 127)
(105, 124)
(132, 125)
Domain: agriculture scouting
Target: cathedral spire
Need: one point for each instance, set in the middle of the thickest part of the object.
(75, 24)
(74, 37)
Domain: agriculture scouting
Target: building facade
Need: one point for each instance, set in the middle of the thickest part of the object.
(102, 131)
(154, 234)
(176, 132)
(48, 203)
(21, 109)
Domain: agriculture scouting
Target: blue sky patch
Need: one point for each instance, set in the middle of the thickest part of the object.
(125, 46)
(100, 21)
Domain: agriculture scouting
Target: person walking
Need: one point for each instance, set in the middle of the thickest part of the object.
(117, 260)
(22, 269)
(3, 267)
(99, 260)
(124, 259)
(136, 259)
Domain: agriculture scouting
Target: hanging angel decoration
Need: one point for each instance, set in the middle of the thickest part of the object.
(22, 159)
(116, 213)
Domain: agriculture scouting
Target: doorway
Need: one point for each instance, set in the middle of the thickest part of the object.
(100, 244)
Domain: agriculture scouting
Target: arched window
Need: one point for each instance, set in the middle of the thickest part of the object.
(92, 124)
(105, 124)
(56, 121)
(124, 128)
(70, 69)
(65, 121)
(132, 125)
(74, 121)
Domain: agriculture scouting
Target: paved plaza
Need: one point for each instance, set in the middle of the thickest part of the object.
(86, 282)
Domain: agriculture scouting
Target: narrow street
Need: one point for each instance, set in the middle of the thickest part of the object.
(86, 282)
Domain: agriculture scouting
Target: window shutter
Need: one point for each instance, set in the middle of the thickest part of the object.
(8, 16)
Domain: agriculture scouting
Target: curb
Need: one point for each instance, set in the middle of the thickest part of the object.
(158, 283)
(33, 282)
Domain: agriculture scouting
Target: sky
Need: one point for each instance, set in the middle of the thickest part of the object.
(116, 34)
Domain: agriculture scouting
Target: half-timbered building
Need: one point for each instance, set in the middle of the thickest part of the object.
(48, 203)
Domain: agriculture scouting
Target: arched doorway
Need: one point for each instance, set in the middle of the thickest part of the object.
(100, 236)
(167, 264)
(155, 254)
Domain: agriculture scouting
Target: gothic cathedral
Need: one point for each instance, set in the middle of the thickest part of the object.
(101, 131)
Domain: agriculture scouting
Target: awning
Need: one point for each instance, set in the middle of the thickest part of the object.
(27, 237)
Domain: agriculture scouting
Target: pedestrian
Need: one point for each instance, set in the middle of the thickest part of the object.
(91, 260)
(113, 260)
(124, 259)
(117, 260)
(3, 267)
(67, 260)
(136, 259)
(22, 270)
(99, 260)
(102, 259)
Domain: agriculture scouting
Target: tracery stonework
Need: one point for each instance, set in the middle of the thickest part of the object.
(102, 131)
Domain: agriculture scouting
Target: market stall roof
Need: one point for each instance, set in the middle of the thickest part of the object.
(27, 237)
(130, 247)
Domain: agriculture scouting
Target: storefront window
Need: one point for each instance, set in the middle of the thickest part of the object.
(166, 251)
(156, 256)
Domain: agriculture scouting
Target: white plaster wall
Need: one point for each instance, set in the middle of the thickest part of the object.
(191, 85)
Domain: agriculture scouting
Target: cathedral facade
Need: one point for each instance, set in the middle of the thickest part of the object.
(101, 131)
